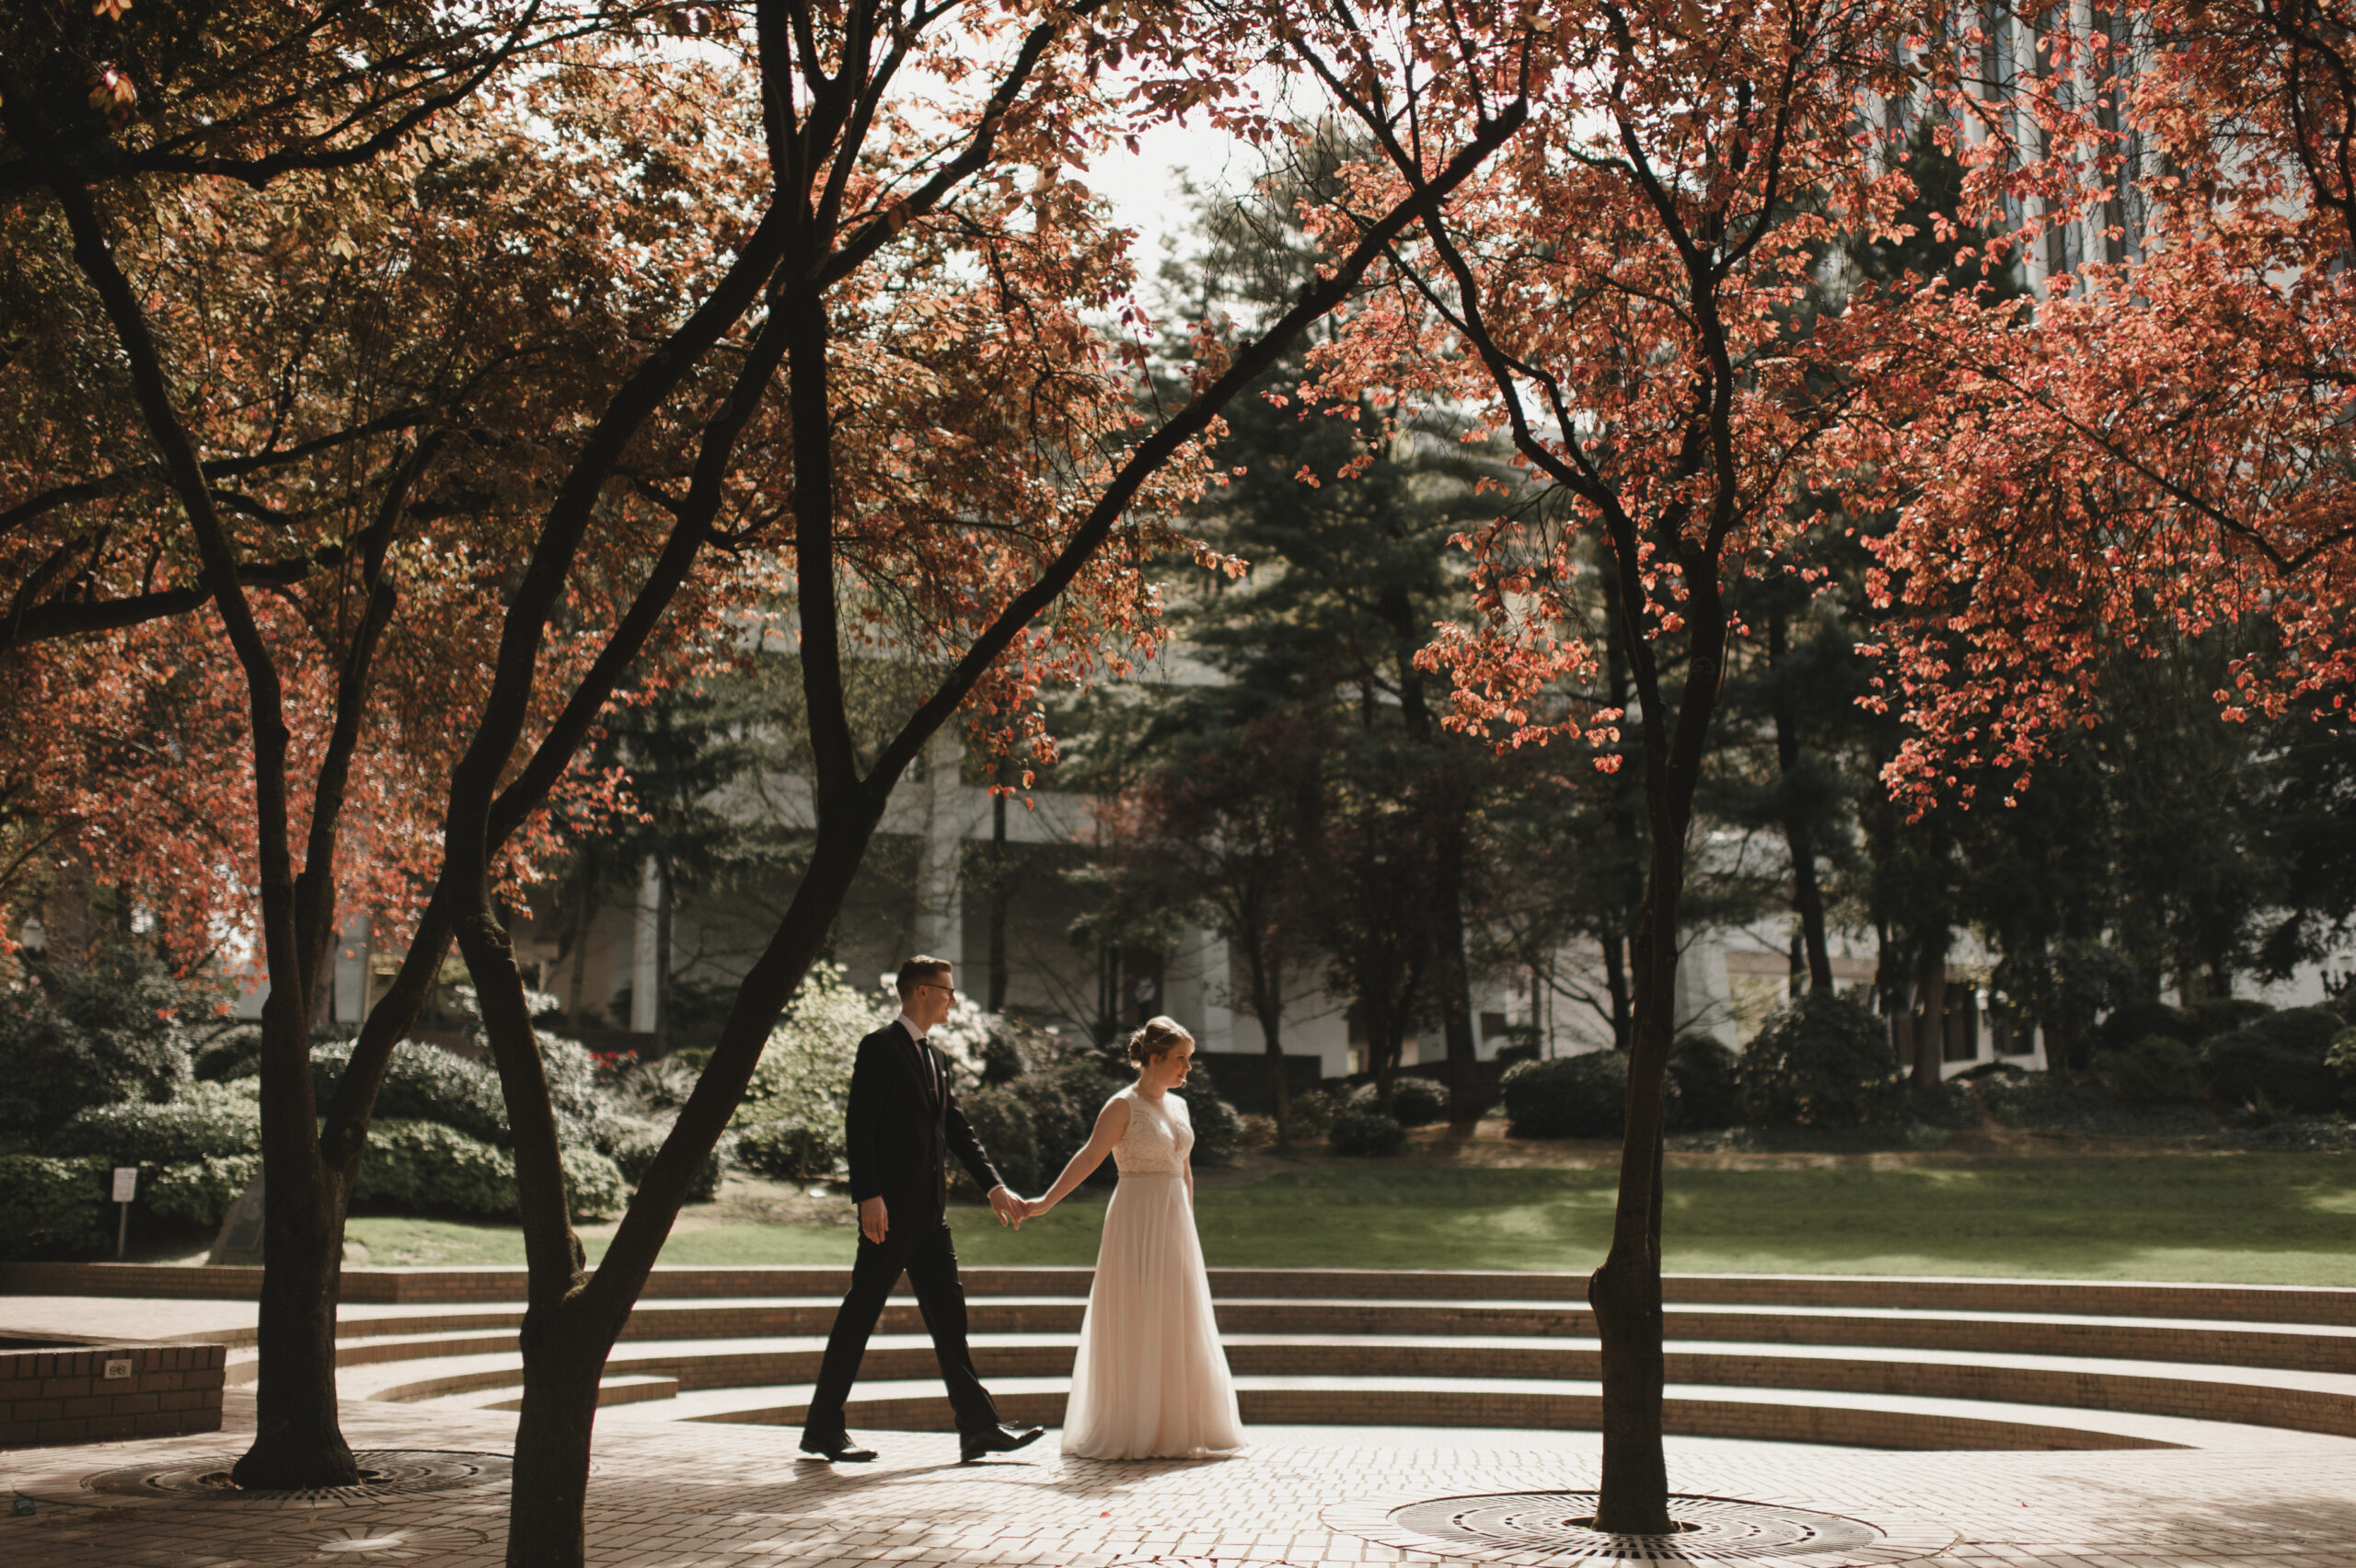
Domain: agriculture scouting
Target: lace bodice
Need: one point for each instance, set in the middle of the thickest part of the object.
(1159, 1136)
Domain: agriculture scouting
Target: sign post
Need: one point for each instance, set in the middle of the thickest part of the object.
(126, 1187)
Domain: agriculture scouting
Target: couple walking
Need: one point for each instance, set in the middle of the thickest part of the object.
(1150, 1380)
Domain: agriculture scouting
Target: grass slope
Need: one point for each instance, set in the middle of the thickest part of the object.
(2247, 1218)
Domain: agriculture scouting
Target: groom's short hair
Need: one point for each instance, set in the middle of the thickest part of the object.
(921, 970)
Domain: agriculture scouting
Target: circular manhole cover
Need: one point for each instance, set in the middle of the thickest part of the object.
(1553, 1527)
(384, 1472)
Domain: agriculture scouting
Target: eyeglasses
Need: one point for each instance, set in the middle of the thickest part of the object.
(935, 985)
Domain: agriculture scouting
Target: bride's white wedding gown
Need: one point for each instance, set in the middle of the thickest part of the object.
(1151, 1380)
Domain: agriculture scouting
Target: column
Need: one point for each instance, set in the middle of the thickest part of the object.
(645, 983)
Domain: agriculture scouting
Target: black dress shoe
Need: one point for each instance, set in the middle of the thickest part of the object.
(997, 1440)
(839, 1451)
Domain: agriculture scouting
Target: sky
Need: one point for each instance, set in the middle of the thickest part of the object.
(1144, 188)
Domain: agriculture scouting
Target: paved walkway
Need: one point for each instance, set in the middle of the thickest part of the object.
(673, 1495)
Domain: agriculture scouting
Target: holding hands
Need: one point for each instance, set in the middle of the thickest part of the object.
(1012, 1210)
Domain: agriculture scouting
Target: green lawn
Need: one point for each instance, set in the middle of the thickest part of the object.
(2251, 1218)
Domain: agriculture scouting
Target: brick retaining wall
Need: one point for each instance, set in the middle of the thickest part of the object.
(63, 1395)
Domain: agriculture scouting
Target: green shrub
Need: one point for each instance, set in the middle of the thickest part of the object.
(2130, 1021)
(804, 1071)
(235, 1052)
(426, 1083)
(792, 1150)
(2155, 1070)
(585, 1114)
(2059, 1102)
(1583, 1096)
(1823, 1061)
(1521, 1044)
(111, 1033)
(2221, 1015)
(592, 1184)
(2281, 1058)
(212, 1121)
(2302, 1134)
(1064, 1105)
(640, 1141)
(1312, 1113)
(1002, 1121)
(1416, 1101)
(1708, 1079)
(1219, 1127)
(56, 1208)
(423, 1083)
(199, 1193)
(425, 1165)
(1366, 1132)
(431, 1165)
(2341, 1060)
(1951, 1106)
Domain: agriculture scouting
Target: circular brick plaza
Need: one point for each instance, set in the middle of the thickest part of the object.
(1397, 1418)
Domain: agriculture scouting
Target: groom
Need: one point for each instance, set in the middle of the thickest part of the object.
(902, 1120)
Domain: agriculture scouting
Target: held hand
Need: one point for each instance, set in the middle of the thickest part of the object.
(871, 1219)
(1009, 1208)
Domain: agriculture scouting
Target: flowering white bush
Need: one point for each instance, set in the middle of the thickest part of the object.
(805, 1068)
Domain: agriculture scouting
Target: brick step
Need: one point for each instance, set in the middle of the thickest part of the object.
(635, 1388)
(2318, 1348)
(1688, 1410)
(2261, 1397)
(2225, 1303)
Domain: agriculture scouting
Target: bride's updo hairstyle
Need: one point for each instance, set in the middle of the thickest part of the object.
(1157, 1039)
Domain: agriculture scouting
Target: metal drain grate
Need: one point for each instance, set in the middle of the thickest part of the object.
(1551, 1528)
(384, 1472)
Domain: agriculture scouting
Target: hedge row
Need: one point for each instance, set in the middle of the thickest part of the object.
(430, 1166)
(60, 1206)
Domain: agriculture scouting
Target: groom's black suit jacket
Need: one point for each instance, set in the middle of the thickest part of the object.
(901, 1126)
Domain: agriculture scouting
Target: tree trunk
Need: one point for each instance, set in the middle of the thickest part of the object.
(663, 913)
(1626, 1291)
(1931, 1009)
(997, 902)
(1808, 899)
(585, 912)
(298, 1435)
(1386, 1041)
(1464, 1099)
(574, 1317)
(1266, 979)
(1615, 977)
(1620, 691)
(564, 1361)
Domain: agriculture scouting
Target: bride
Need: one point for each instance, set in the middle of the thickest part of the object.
(1150, 1380)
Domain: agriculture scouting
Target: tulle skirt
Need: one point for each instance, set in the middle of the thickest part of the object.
(1150, 1380)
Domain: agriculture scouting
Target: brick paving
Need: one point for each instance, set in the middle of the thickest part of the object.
(675, 1494)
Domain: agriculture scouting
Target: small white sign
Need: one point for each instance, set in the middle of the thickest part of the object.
(118, 1369)
(126, 1183)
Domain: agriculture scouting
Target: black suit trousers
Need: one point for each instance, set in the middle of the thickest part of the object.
(919, 1244)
